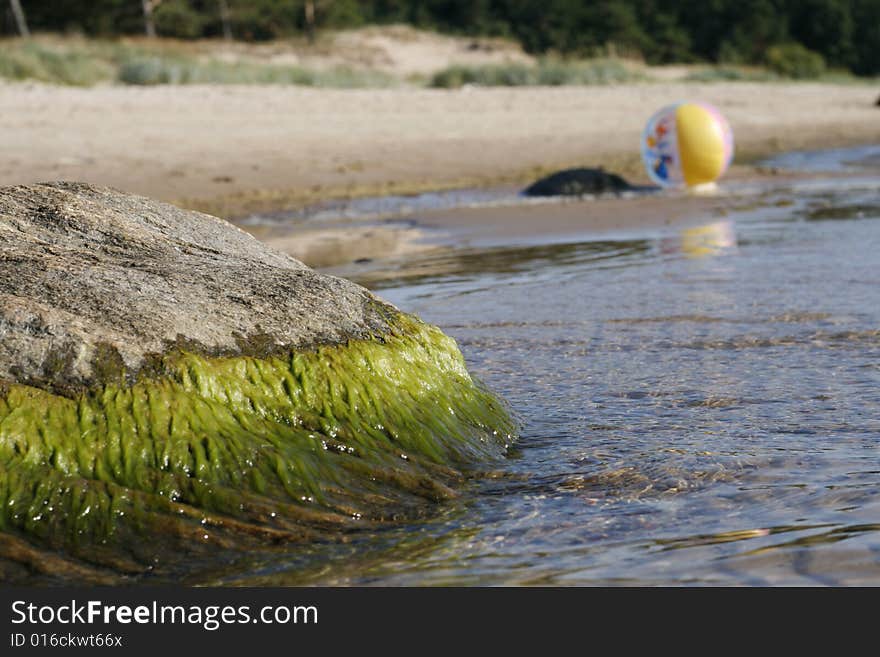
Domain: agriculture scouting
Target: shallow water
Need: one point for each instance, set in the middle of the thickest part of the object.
(859, 158)
(699, 405)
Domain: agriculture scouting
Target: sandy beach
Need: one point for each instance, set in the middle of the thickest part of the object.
(233, 150)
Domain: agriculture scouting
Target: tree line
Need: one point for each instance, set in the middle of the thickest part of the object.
(845, 33)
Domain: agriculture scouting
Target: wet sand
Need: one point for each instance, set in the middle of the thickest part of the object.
(554, 219)
(350, 244)
(343, 244)
(235, 150)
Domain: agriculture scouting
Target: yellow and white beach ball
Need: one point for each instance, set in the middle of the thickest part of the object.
(686, 145)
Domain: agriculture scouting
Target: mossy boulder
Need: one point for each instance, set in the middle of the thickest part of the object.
(171, 389)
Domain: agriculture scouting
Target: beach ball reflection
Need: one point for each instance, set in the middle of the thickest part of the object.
(687, 144)
(712, 239)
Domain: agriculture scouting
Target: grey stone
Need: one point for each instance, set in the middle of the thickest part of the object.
(89, 273)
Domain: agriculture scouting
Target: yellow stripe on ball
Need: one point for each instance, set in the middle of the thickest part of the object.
(700, 144)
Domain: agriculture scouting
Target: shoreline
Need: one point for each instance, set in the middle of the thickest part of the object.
(235, 151)
(369, 249)
(242, 204)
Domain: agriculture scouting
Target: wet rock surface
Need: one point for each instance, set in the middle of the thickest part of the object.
(175, 397)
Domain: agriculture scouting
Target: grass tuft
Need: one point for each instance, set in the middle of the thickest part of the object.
(548, 72)
(81, 62)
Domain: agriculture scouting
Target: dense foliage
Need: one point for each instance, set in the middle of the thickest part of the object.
(801, 35)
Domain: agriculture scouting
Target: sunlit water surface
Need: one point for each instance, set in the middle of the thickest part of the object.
(698, 406)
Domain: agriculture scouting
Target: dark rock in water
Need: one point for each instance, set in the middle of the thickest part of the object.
(172, 390)
(578, 182)
(878, 101)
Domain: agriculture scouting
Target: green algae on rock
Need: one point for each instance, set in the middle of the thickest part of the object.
(169, 389)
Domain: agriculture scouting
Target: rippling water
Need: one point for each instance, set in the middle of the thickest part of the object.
(700, 406)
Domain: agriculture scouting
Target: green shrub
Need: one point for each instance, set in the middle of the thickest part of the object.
(514, 75)
(550, 72)
(175, 18)
(347, 78)
(88, 62)
(450, 78)
(147, 70)
(598, 71)
(730, 74)
(554, 73)
(792, 60)
(499, 75)
(31, 60)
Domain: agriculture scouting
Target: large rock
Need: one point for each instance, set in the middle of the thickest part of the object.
(91, 277)
(164, 376)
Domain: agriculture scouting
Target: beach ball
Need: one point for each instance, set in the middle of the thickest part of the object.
(687, 144)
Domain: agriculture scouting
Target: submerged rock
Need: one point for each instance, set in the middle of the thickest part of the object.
(579, 182)
(170, 387)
